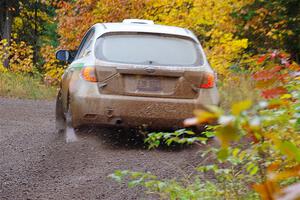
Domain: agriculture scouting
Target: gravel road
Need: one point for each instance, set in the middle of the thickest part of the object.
(37, 163)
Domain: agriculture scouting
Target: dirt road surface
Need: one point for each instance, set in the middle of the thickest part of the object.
(37, 163)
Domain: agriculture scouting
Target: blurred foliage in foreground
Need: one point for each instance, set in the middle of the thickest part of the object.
(259, 144)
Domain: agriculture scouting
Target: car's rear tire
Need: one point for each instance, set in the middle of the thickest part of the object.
(59, 114)
(63, 119)
(68, 117)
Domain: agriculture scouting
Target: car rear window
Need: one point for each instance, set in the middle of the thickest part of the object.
(156, 49)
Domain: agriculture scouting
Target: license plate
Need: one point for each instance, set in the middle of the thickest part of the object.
(149, 84)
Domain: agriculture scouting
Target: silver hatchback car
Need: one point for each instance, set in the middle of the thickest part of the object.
(135, 73)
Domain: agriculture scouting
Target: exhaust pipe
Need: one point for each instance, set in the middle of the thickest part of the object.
(119, 122)
(116, 121)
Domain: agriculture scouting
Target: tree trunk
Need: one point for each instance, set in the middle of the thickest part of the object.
(35, 56)
(7, 26)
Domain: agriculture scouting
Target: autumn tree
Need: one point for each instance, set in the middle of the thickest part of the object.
(8, 10)
(211, 21)
(271, 24)
(31, 21)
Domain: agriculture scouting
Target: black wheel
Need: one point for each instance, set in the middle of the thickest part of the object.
(59, 114)
(68, 117)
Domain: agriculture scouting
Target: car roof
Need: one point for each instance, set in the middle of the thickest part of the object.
(144, 27)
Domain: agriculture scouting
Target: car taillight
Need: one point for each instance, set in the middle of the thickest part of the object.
(209, 81)
(89, 74)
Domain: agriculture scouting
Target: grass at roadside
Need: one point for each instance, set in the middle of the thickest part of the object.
(237, 88)
(24, 86)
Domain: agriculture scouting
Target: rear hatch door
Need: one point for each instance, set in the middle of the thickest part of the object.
(164, 82)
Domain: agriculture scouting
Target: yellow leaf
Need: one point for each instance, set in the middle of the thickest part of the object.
(237, 108)
(227, 134)
(286, 96)
(206, 117)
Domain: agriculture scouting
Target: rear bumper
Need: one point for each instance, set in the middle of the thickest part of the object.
(131, 111)
(91, 107)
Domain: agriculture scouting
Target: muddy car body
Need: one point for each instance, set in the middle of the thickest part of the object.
(134, 74)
